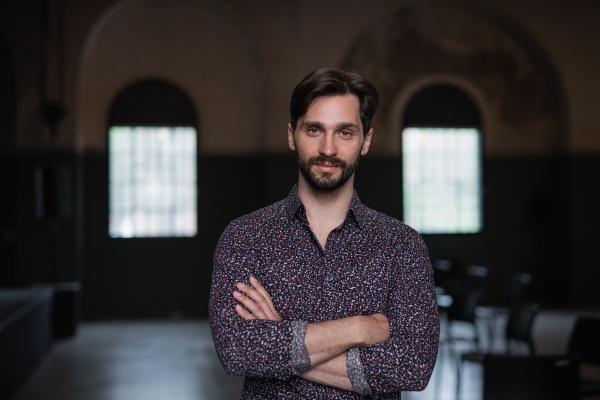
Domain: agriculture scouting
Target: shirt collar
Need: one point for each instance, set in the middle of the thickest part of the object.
(293, 203)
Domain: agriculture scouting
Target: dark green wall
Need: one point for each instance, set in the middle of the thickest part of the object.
(541, 216)
(584, 226)
(33, 234)
(155, 277)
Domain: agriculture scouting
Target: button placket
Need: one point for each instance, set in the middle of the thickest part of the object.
(328, 267)
(333, 246)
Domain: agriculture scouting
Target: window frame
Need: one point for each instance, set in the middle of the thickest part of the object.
(197, 189)
(482, 174)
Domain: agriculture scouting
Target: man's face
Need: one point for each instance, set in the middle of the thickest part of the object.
(329, 141)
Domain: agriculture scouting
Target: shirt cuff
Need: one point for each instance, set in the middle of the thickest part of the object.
(300, 358)
(356, 372)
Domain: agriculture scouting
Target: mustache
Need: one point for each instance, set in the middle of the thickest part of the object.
(333, 161)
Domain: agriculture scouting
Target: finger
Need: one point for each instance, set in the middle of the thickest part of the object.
(261, 300)
(254, 308)
(260, 289)
(243, 313)
(254, 295)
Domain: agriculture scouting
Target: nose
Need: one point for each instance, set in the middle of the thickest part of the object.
(328, 147)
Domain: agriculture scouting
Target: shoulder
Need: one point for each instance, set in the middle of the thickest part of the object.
(253, 224)
(404, 243)
(380, 224)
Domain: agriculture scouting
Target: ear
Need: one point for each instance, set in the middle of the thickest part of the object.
(367, 142)
(291, 137)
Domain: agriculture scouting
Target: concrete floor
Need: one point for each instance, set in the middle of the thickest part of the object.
(134, 361)
(148, 360)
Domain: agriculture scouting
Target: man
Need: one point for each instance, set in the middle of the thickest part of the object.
(318, 296)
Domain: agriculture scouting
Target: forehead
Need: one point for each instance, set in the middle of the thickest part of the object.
(334, 108)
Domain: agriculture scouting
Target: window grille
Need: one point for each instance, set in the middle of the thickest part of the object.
(152, 181)
(441, 169)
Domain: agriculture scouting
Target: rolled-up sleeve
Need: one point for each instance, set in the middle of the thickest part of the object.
(406, 360)
(260, 348)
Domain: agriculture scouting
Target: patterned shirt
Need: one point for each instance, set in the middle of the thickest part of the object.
(371, 263)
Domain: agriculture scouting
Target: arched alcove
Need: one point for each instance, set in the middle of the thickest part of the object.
(153, 163)
(152, 102)
(200, 46)
(441, 105)
(442, 162)
(486, 53)
(502, 67)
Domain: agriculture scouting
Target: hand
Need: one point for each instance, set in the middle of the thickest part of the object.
(256, 300)
(373, 328)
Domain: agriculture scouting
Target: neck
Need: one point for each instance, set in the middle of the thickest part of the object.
(325, 209)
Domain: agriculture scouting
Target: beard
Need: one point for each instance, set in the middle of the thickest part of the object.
(326, 180)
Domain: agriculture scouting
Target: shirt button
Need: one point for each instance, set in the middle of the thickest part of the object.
(329, 278)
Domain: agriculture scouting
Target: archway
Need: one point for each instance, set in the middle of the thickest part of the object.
(500, 64)
(442, 163)
(199, 45)
(204, 49)
(482, 51)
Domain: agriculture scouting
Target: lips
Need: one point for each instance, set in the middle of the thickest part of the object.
(326, 168)
(327, 163)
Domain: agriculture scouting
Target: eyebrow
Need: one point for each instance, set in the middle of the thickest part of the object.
(338, 126)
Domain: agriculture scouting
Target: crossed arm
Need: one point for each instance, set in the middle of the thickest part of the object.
(263, 346)
(325, 341)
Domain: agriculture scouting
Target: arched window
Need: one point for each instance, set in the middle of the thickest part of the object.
(442, 163)
(152, 142)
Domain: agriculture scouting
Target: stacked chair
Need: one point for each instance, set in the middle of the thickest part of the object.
(519, 373)
(464, 294)
(519, 376)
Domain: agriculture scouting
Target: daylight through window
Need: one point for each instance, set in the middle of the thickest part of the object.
(153, 183)
(442, 179)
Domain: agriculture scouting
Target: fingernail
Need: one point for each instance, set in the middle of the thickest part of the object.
(236, 294)
(252, 278)
(241, 285)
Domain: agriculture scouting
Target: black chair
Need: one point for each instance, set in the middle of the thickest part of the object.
(442, 270)
(518, 331)
(464, 303)
(519, 326)
(585, 342)
(516, 290)
(514, 295)
(462, 309)
(476, 276)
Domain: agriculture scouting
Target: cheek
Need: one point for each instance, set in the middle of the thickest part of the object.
(351, 152)
(306, 146)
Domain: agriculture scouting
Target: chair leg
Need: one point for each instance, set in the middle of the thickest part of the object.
(458, 377)
(443, 357)
(477, 339)
(491, 325)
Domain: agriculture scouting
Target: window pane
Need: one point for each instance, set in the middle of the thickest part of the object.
(153, 183)
(441, 178)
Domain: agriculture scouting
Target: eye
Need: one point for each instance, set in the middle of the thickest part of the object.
(345, 134)
(314, 131)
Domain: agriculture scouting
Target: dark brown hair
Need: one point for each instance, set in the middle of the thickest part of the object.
(332, 82)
